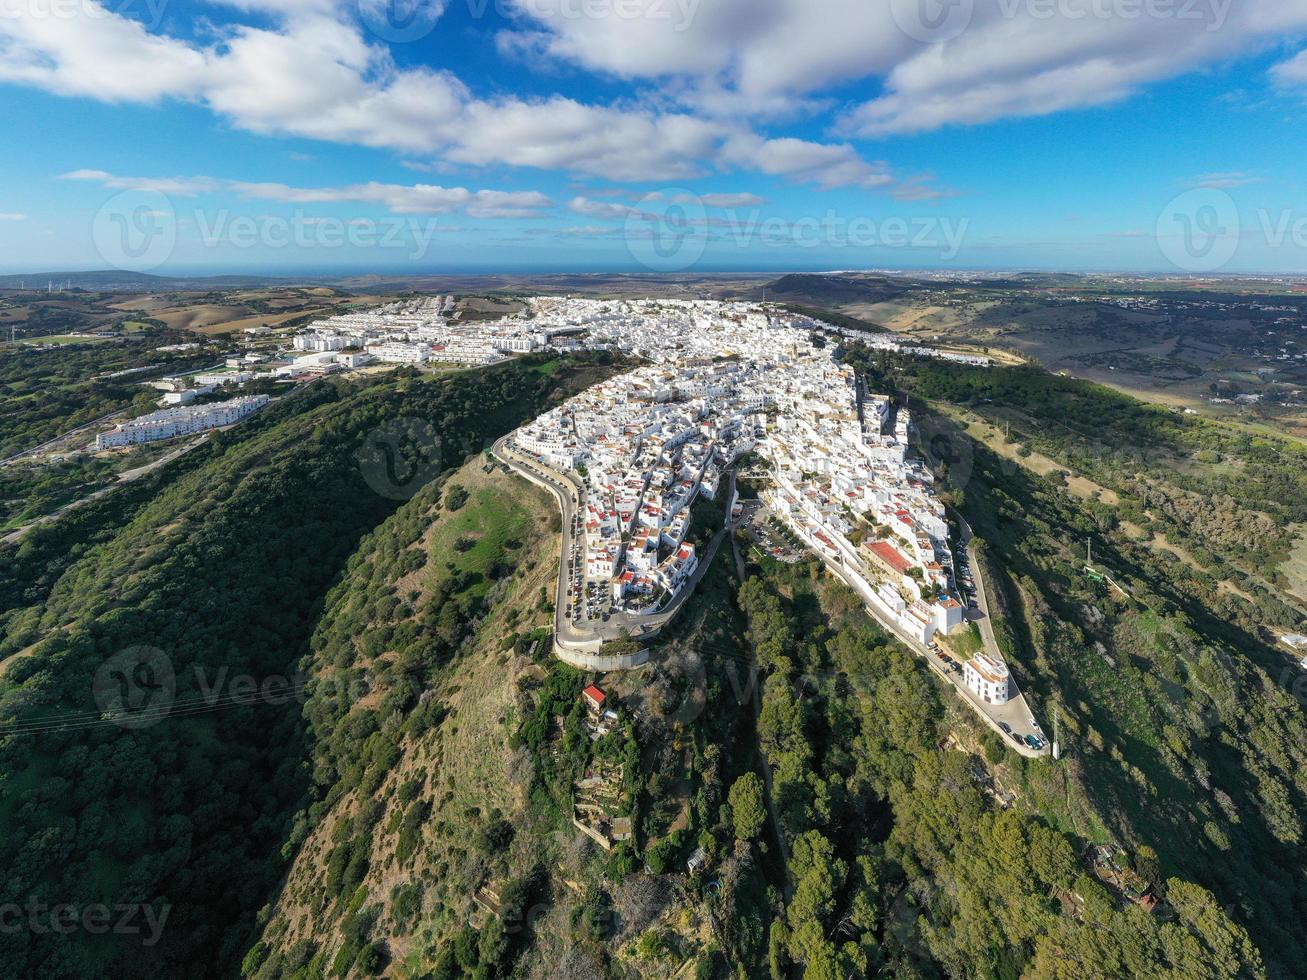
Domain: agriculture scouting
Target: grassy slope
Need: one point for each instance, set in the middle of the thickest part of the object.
(462, 763)
(457, 768)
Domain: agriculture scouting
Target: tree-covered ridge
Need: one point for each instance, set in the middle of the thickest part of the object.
(899, 860)
(222, 573)
(1175, 720)
(410, 674)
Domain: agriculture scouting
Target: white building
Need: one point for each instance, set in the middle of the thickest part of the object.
(172, 422)
(355, 359)
(224, 378)
(395, 352)
(988, 678)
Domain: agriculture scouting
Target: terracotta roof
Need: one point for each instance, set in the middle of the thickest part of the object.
(891, 556)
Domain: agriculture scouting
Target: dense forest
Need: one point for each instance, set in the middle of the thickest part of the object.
(903, 858)
(212, 586)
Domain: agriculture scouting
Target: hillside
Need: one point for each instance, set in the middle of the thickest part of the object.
(438, 800)
(414, 672)
(1180, 713)
(836, 290)
(203, 598)
(348, 752)
(853, 817)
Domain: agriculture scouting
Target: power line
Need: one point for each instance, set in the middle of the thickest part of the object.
(184, 709)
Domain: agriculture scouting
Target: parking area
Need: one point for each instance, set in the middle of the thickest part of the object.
(769, 535)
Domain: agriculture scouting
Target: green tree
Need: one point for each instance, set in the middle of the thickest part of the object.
(748, 811)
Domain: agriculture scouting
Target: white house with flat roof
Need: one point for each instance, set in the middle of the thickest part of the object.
(988, 678)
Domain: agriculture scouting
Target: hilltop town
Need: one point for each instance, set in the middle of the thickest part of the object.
(628, 458)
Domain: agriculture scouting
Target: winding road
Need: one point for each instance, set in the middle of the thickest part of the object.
(591, 634)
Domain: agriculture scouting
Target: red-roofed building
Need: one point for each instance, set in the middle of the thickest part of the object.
(890, 556)
(593, 698)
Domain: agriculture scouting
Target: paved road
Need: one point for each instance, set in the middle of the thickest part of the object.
(126, 476)
(567, 489)
(1016, 714)
(983, 620)
(84, 427)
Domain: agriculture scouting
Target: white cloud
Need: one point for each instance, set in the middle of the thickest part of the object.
(562, 134)
(579, 231)
(309, 68)
(1011, 63)
(1291, 73)
(313, 73)
(1223, 181)
(95, 53)
(1006, 58)
(741, 200)
(174, 186)
(759, 47)
(12, 216)
(396, 198)
(600, 209)
(827, 165)
(318, 78)
(507, 204)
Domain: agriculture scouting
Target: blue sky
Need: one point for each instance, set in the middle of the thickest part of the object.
(424, 136)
